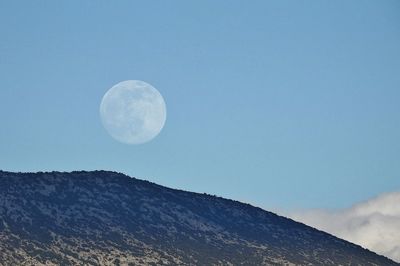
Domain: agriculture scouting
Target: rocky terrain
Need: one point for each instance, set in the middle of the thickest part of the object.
(107, 218)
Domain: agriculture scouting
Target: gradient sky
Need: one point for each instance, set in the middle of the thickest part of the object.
(283, 104)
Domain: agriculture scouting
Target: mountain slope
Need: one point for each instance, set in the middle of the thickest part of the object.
(104, 217)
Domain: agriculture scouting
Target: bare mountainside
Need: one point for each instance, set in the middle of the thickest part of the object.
(107, 218)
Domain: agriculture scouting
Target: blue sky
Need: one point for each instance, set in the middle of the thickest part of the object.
(283, 104)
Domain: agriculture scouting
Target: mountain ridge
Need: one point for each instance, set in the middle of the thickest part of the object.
(79, 217)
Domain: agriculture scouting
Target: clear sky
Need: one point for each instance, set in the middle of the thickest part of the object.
(283, 104)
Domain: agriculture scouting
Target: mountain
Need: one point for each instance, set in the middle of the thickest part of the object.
(107, 218)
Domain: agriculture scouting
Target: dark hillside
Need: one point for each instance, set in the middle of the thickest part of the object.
(101, 218)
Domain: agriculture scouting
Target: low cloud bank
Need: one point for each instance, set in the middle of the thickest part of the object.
(373, 224)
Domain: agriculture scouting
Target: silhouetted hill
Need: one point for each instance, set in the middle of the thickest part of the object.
(99, 217)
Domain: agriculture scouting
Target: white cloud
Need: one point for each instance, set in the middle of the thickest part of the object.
(373, 224)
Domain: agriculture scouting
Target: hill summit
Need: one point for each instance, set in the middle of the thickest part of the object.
(107, 218)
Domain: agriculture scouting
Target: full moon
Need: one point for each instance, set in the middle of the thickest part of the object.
(133, 112)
